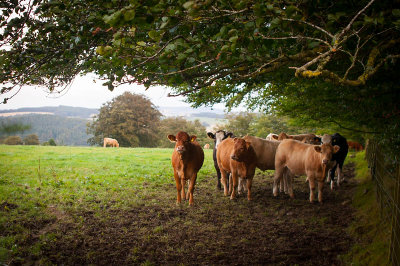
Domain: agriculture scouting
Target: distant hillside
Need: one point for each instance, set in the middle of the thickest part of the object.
(64, 130)
(64, 111)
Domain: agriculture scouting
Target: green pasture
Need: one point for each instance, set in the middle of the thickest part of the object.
(36, 178)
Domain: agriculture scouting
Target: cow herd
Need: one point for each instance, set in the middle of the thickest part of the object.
(236, 159)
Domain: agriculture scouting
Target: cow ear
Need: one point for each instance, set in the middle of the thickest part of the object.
(317, 148)
(336, 148)
(193, 138)
(248, 144)
(230, 135)
(235, 139)
(171, 138)
(210, 135)
(275, 137)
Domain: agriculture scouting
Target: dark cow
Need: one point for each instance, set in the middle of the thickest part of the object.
(187, 159)
(237, 157)
(339, 157)
(218, 137)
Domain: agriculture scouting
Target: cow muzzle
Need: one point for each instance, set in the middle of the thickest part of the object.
(234, 157)
(325, 161)
(180, 149)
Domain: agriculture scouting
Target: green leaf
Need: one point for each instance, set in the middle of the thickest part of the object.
(141, 43)
(129, 15)
(396, 12)
(154, 35)
(225, 48)
(233, 38)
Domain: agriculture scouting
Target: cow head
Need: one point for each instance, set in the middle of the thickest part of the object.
(326, 150)
(326, 139)
(240, 149)
(316, 140)
(182, 141)
(283, 136)
(219, 136)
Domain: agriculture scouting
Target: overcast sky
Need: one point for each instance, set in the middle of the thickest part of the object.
(84, 92)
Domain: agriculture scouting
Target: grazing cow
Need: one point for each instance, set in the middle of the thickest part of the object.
(304, 159)
(272, 136)
(355, 145)
(265, 153)
(111, 142)
(306, 138)
(187, 159)
(237, 157)
(338, 158)
(218, 137)
(207, 146)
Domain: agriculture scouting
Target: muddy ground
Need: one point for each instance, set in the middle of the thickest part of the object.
(216, 231)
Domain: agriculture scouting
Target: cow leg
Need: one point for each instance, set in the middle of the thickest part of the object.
(218, 178)
(311, 181)
(288, 177)
(320, 188)
(249, 183)
(331, 174)
(178, 187)
(277, 178)
(191, 188)
(183, 183)
(240, 186)
(223, 182)
(233, 183)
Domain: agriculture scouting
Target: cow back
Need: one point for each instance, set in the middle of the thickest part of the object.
(265, 151)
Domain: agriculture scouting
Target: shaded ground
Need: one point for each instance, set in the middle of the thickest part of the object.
(216, 231)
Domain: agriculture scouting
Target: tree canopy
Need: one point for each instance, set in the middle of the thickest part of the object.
(330, 61)
(130, 118)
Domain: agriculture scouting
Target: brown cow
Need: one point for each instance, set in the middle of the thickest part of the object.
(355, 145)
(111, 142)
(265, 153)
(206, 146)
(304, 159)
(187, 159)
(236, 156)
(306, 138)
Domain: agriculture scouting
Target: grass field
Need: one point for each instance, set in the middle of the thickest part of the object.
(81, 205)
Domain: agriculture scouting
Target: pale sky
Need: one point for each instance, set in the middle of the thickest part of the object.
(84, 92)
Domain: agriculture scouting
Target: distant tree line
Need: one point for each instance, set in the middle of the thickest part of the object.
(63, 130)
(134, 121)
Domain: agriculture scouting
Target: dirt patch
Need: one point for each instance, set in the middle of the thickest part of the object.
(216, 231)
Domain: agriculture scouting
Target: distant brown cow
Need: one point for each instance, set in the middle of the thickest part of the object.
(306, 138)
(355, 145)
(304, 159)
(111, 142)
(207, 146)
(237, 157)
(187, 159)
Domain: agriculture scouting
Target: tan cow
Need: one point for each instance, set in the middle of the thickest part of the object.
(207, 146)
(111, 142)
(265, 153)
(237, 157)
(187, 159)
(304, 159)
(306, 138)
